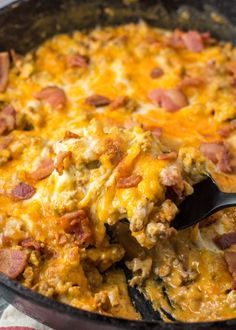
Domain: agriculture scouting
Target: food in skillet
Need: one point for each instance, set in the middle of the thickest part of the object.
(111, 125)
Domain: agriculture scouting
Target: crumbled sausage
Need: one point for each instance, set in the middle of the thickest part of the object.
(171, 176)
(137, 265)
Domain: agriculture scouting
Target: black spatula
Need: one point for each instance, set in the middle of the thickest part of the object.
(206, 200)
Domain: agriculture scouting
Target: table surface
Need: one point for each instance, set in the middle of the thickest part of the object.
(5, 2)
(3, 303)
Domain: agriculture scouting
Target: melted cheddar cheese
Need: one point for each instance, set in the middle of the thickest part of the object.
(110, 125)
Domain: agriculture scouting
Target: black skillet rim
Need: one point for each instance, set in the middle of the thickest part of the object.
(44, 301)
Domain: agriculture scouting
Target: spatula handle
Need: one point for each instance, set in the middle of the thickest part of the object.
(226, 200)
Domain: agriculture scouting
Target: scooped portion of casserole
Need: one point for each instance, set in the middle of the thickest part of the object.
(102, 135)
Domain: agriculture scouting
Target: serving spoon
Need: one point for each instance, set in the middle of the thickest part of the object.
(206, 200)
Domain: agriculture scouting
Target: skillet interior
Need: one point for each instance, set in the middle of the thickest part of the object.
(24, 25)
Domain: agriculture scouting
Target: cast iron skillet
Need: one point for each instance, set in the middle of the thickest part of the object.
(26, 23)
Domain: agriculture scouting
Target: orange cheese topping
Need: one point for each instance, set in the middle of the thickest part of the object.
(95, 139)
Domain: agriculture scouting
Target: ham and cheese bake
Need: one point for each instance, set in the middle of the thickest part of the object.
(102, 135)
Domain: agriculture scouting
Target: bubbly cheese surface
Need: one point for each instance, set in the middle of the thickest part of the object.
(112, 129)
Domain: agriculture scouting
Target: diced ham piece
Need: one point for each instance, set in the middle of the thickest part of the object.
(176, 40)
(23, 191)
(130, 181)
(219, 154)
(230, 258)
(168, 156)
(79, 224)
(4, 70)
(227, 129)
(77, 61)
(62, 156)
(119, 102)
(212, 151)
(193, 41)
(44, 170)
(31, 243)
(156, 131)
(226, 240)
(156, 73)
(7, 120)
(171, 100)
(53, 95)
(12, 262)
(97, 100)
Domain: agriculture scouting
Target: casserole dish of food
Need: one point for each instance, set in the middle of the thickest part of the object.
(110, 113)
